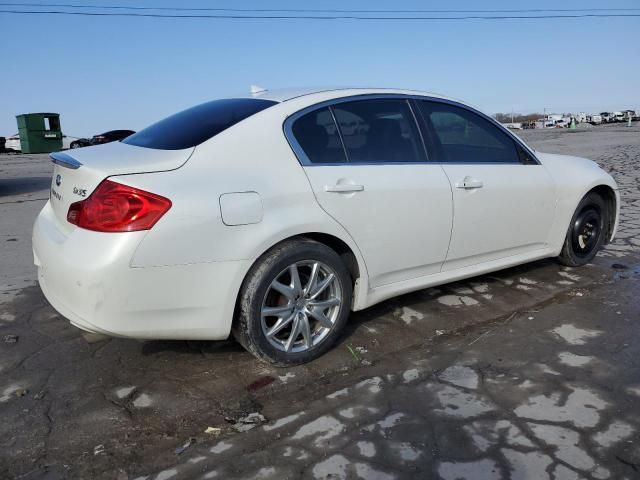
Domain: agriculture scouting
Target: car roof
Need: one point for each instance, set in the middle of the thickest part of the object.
(112, 131)
(285, 94)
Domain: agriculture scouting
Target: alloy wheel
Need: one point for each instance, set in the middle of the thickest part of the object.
(301, 306)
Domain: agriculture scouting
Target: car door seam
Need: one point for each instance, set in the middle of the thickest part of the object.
(453, 216)
(344, 229)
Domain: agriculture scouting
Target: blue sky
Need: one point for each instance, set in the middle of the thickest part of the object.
(109, 73)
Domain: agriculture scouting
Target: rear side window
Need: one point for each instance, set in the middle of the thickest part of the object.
(379, 131)
(462, 136)
(195, 125)
(318, 136)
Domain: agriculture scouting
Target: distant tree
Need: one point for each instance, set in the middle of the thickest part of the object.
(517, 117)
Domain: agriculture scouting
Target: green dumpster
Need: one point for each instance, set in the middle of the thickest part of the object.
(40, 132)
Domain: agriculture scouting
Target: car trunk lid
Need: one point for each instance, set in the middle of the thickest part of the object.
(76, 174)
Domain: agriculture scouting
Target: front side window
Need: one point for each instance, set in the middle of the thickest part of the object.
(379, 131)
(195, 125)
(462, 136)
(318, 136)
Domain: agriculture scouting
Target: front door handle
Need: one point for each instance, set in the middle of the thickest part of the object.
(469, 183)
(344, 188)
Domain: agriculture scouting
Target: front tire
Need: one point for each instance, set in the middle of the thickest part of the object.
(294, 303)
(586, 233)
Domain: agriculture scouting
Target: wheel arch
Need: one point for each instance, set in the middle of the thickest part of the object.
(348, 253)
(340, 247)
(608, 194)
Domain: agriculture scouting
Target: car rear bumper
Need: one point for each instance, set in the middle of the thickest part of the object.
(87, 278)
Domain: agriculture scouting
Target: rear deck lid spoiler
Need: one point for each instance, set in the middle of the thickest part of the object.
(64, 160)
(117, 158)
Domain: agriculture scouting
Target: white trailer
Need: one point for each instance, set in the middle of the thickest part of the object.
(581, 117)
(595, 119)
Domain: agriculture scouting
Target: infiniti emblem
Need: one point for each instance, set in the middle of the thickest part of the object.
(58, 180)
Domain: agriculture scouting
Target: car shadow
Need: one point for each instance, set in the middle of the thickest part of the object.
(418, 300)
(23, 185)
(423, 297)
(222, 347)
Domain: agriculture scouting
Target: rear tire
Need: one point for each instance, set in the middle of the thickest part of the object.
(586, 233)
(294, 303)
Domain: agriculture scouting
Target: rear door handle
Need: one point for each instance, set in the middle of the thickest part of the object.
(344, 188)
(469, 183)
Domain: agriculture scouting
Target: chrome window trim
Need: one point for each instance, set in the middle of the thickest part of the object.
(304, 160)
(65, 160)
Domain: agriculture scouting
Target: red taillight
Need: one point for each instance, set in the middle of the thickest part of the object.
(114, 207)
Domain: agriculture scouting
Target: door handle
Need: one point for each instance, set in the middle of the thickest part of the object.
(469, 183)
(344, 188)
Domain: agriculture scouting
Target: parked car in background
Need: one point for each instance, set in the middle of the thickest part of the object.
(595, 119)
(81, 142)
(513, 125)
(607, 117)
(271, 217)
(12, 144)
(618, 117)
(106, 137)
(111, 136)
(67, 141)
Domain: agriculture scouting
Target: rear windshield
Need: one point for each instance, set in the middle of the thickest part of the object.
(193, 126)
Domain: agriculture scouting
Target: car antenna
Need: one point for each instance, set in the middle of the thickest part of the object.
(255, 89)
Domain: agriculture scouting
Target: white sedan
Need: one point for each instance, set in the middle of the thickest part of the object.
(272, 217)
(13, 144)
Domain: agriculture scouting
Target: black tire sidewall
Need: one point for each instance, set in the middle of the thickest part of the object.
(255, 288)
(568, 255)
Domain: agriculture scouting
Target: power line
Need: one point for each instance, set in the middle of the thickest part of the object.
(318, 17)
(305, 10)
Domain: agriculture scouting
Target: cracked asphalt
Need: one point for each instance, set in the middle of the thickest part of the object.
(527, 373)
